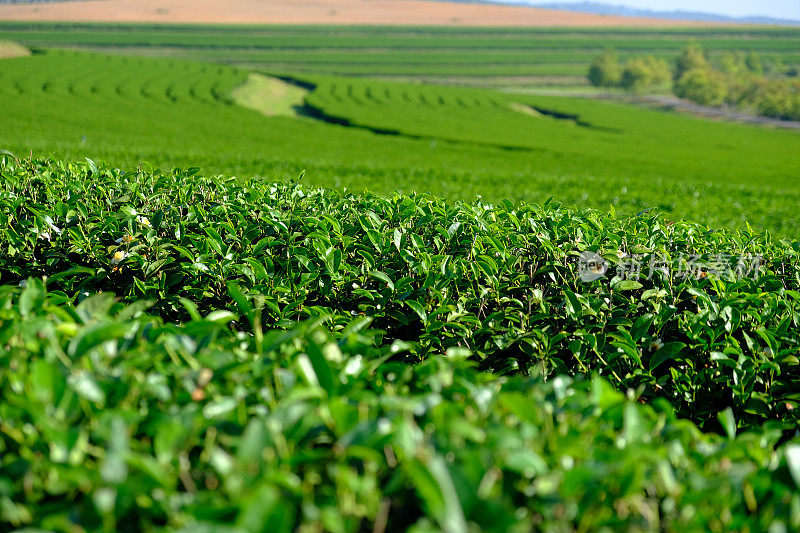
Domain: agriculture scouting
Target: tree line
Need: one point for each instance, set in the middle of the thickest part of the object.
(736, 79)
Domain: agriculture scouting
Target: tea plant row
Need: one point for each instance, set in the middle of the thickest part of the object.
(112, 419)
(501, 281)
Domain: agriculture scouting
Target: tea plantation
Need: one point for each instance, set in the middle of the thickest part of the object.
(361, 304)
(202, 353)
(485, 56)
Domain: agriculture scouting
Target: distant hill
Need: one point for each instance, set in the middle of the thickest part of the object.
(599, 8)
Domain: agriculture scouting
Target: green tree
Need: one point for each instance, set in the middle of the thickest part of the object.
(637, 75)
(703, 86)
(795, 109)
(605, 70)
(733, 63)
(779, 100)
(741, 91)
(659, 70)
(642, 73)
(753, 63)
(776, 67)
(692, 57)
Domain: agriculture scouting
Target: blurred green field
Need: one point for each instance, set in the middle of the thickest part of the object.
(594, 135)
(529, 56)
(454, 142)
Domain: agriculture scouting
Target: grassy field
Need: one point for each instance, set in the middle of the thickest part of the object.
(489, 56)
(386, 136)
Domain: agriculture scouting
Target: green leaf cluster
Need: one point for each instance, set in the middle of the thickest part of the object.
(113, 419)
(501, 281)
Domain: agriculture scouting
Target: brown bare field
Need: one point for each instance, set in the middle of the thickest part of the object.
(379, 12)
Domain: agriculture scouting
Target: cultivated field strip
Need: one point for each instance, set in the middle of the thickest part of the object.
(581, 128)
(87, 80)
(406, 52)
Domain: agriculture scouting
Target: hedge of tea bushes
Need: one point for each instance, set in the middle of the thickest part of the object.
(502, 281)
(113, 419)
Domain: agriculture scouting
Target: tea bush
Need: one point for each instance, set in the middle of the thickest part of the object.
(112, 419)
(501, 281)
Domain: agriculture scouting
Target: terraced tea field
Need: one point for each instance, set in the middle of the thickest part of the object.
(386, 136)
(504, 57)
(361, 304)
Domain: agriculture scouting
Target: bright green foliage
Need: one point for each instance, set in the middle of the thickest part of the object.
(738, 82)
(704, 86)
(779, 100)
(753, 63)
(455, 143)
(638, 75)
(693, 57)
(605, 70)
(733, 63)
(660, 70)
(111, 419)
(501, 281)
(280, 357)
(643, 73)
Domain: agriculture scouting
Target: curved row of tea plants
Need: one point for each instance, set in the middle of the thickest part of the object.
(586, 130)
(501, 281)
(111, 419)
